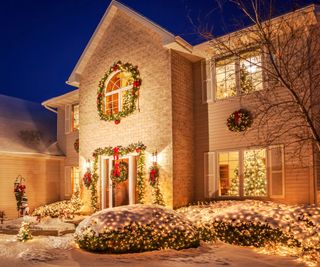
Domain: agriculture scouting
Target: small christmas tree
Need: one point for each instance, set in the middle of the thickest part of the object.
(255, 182)
(246, 83)
(234, 185)
(24, 232)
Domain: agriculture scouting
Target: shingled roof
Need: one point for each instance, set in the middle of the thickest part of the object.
(26, 128)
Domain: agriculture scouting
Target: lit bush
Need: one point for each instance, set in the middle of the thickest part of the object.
(65, 208)
(136, 228)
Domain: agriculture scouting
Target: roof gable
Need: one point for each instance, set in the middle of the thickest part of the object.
(114, 6)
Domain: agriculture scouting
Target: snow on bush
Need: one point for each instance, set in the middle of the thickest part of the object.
(258, 223)
(136, 228)
(65, 208)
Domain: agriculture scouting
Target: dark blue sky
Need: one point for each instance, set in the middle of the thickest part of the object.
(41, 40)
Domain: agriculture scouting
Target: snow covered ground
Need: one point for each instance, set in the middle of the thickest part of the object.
(62, 251)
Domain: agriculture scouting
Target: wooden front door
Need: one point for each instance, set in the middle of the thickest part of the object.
(121, 191)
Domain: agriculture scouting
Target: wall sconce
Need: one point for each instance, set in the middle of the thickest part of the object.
(88, 164)
(155, 157)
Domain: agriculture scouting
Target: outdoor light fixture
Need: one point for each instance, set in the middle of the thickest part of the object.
(88, 164)
(155, 157)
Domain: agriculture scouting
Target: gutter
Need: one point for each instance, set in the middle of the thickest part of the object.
(49, 108)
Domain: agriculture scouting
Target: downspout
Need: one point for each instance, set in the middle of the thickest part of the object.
(51, 109)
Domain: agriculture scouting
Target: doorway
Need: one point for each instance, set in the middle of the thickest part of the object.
(124, 193)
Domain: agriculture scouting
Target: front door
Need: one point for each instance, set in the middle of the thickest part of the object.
(124, 193)
(120, 192)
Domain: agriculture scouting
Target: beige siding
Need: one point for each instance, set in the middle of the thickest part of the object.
(212, 134)
(42, 181)
(183, 139)
(129, 41)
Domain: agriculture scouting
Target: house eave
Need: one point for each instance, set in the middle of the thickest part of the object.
(167, 37)
(68, 98)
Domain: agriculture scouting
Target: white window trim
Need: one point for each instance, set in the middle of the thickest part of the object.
(67, 118)
(237, 70)
(241, 168)
(118, 91)
(207, 82)
(72, 117)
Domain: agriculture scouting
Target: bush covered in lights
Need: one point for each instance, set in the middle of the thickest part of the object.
(260, 224)
(136, 228)
(65, 208)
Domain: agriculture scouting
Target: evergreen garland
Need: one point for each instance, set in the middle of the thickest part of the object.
(109, 151)
(130, 97)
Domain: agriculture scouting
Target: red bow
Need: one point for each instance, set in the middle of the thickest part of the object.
(116, 170)
(236, 117)
(153, 174)
(116, 153)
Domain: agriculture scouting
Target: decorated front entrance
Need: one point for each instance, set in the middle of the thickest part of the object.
(118, 181)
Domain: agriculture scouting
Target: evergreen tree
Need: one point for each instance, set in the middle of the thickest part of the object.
(234, 186)
(255, 181)
(246, 83)
(24, 232)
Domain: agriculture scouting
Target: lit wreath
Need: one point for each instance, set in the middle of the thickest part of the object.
(239, 121)
(154, 175)
(87, 179)
(119, 173)
(130, 97)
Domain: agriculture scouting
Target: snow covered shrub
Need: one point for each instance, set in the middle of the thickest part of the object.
(136, 228)
(24, 232)
(65, 208)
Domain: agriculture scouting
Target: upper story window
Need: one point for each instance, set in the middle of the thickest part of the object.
(237, 76)
(75, 117)
(116, 88)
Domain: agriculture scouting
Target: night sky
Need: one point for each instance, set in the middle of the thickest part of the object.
(41, 40)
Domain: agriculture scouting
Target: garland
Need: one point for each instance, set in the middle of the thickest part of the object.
(154, 182)
(116, 152)
(119, 173)
(130, 97)
(76, 145)
(239, 120)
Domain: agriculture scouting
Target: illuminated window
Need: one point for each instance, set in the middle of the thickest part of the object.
(228, 167)
(243, 173)
(116, 88)
(75, 117)
(250, 73)
(226, 79)
(235, 76)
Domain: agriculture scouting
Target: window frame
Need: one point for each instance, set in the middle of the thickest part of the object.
(236, 60)
(216, 175)
(118, 91)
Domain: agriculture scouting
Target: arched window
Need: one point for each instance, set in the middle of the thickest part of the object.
(115, 89)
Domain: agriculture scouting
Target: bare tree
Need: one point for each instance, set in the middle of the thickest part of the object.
(287, 110)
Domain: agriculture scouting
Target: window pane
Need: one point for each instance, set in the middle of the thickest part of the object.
(75, 117)
(226, 79)
(228, 166)
(75, 179)
(254, 176)
(250, 73)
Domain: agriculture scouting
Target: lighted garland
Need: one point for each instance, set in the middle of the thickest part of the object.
(76, 145)
(130, 97)
(139, 148)
(239, 121)
(119, 173)
(154, 174)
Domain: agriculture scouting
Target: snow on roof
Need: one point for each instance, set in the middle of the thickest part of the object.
(26, 128)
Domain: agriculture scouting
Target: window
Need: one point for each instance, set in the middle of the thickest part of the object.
(235, 76)
(228, 166)
(116, 88)
(75, 117)
(245, 173)
(255, 173)
(226, 79)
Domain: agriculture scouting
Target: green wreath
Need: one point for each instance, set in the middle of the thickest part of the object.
(239, 121)
(130, 97)
(119, 175)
